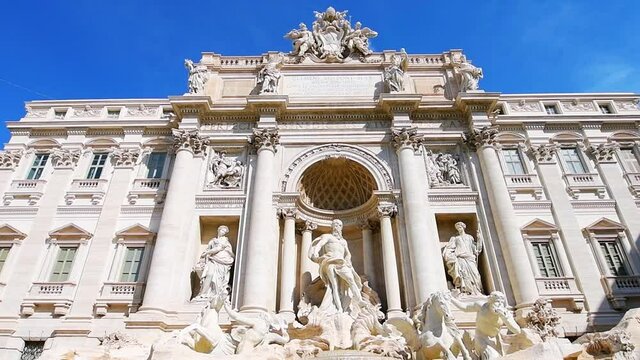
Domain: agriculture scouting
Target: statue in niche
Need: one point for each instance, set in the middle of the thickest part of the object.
(214, 266)
(443, 169)
(269, 76)
(492, 313)
(461, 258)
(227, 173)
(198, 76)
(394, 73)
(331, 253)
(303, 40)
(469, 75)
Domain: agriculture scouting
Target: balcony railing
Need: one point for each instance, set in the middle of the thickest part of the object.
(561, 288)
(581, 183)
(31, 189)
(524, 183)
(622, 285)
(154, 188)
(633, 179)
(58, 294)
(94, 189)
(119, 293)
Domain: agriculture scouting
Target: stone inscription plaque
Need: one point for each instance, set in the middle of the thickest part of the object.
(332, 85)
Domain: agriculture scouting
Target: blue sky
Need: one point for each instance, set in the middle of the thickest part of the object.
(135, 49)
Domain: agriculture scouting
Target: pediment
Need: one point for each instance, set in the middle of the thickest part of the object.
(566, 137)
(70, 231)
(510, 138)
(8, 232)
(604, 224)
(624, 137)
(539, 225)
(136, 230)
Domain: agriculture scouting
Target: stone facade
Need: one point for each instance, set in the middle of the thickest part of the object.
(108, 205)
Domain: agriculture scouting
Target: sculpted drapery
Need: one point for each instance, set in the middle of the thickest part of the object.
(215, 263)
(461, 258)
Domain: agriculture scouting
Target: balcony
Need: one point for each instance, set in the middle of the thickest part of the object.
(527, 184)
(91, 189)
(619, 288)
(128, 294)
(633, 179)
(588, 183)
(58, 294)
(562, 288)
(31, 190)
(148, 188)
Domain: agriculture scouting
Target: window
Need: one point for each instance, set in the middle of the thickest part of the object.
(545, 259)
(550, 109)
(97, 165)
(629, 160)
(155, 165)
(64, 263)
(572, 161)
(113, 114)
(513, 161)
(613, 258)
(604, 108)
(131, 265)
(4, 253)
(59, 114)
(38, 166)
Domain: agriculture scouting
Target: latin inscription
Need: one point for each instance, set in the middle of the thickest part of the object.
(332, 85)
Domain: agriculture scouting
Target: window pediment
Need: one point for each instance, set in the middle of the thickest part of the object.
(538, 225)
(70, 232)
(605, 225)
(8, 232)
(136, 232)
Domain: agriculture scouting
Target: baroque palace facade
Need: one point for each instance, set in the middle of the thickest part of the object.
(109, 207)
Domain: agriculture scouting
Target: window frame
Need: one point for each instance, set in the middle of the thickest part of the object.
(550, 106)
(57, 277)
(161, 169)
(544, 271)
(67, 236)
(100, 168)
(134, 236)
(579, 153)
(623, 161)
(38, 167)
(518, 151)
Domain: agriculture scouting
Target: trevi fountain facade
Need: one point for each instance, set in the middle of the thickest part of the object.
(330, 202)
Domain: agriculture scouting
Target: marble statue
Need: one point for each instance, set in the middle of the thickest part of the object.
(227, 173)
(344, 286)
(332, 39)
(269, 76)
(470, 76)
(443, 169)
(394, 73)
(439, 335)
(198, 77)
(491, 314)
(461, 258)
(264, 329)
(214, 266)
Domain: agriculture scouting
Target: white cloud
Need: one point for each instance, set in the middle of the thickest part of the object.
(609, 75)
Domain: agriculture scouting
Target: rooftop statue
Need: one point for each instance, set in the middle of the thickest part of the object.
(394, 73)
(332, 39)
(198, 76)
(469, 75)
(269, 76)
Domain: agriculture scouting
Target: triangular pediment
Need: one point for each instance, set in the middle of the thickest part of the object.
(70, 231)
(604, 224)
(136, 230)
(539, 225)
(8, 232)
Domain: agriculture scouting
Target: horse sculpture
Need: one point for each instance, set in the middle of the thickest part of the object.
(438, 334)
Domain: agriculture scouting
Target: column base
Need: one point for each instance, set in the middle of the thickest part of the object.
(395, 313)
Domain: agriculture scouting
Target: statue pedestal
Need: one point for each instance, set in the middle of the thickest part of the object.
(349, 355)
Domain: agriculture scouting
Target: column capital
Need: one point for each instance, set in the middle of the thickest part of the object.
(287, 212)
(604, 153)
(479, 138)
(65, 158)
(406, 138)
(125, 158)
(544, 153)
(306, 226)
(367, 224)
(387, 210)
(189, 140)
(265, 139)
(9, 159)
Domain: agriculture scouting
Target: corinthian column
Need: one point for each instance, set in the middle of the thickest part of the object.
(392, 283)
(261, 262)
(163, 283)
(308, 269)
(288, 264)
(519, 270)
(422, 232)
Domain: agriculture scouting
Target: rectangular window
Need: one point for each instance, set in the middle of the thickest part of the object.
(4, 253)
(155, 165)
(629, 160)
(113, 114)
(63, 265)
(513, 161)
(546, 259)
(604, 108)
(573, 161)
(97, 165)
(550, 109)
(59, 114)
(613, 258)
(38, 166)
(131, 265)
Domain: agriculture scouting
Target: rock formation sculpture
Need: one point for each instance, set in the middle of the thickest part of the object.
(543, 319)
(461, 258)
